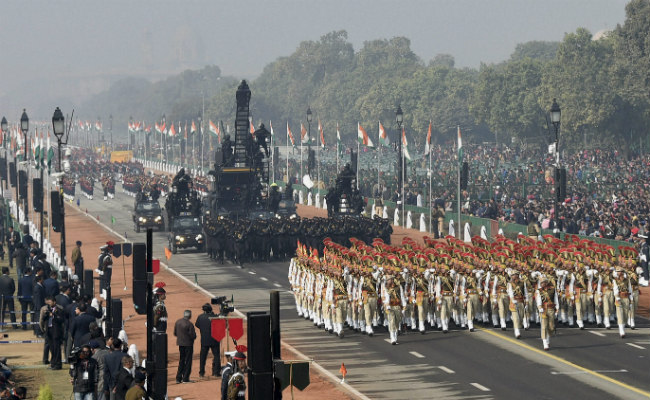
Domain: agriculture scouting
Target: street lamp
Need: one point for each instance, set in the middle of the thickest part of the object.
(58, 125)
(309, 119)
(110, 126)
(3, 126)
(399, 119)
(556, 114)
(24, 127)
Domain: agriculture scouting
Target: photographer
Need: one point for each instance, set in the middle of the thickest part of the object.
(208, 343)
(84, 375)
(51, 323)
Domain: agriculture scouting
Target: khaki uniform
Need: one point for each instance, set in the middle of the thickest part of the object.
(546, 300)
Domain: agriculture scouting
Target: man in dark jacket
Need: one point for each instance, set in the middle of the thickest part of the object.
(51, 284)
(84, 375)
(124, 379)
(80, 325)
(39, 301)
(7, 290)
(13, 238)
(25, 293)
(208, 343)
(112, 365)
(20, 254)
(51, 322)
(185, 336)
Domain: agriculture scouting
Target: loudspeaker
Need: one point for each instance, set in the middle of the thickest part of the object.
(353, 160)
(140, 296)
(260, 385)
(22, 184)
(562, 184)
(116, 316)
(159, 384)
(464, 175)
(259, 343)
(37, 194)
(88, 283)
(139, 261)
(57, 220)
(3, 168)
(12, 174)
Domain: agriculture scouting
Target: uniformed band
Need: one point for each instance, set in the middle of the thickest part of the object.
(422, 287)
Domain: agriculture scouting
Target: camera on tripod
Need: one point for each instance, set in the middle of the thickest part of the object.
(225, 306)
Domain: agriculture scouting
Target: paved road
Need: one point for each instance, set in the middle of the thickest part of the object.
(487, 364)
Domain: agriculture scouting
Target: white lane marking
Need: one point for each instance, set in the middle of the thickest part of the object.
(264, 279)
(416, 354)
(447, 370)
(277, 285)
(597, 333)
(643, 342)
(609, 371)
(251, 272)
(480, 387)
(635, 345)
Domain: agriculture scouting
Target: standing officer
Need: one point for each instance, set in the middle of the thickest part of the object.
(77, 259)
(185, 336)
(105, 267)
(159, 309)
(208, 343)
(39, 301)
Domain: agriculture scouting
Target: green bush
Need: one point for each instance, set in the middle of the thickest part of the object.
(45, 393)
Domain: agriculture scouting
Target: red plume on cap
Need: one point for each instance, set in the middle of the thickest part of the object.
(241, 348)
(110, 243)
(160, 285)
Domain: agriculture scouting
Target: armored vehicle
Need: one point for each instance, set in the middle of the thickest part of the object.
(186, 231)
(148, 214)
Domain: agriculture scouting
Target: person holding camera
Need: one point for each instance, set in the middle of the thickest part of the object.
(51, 323)
(84, 375)
(208, 343)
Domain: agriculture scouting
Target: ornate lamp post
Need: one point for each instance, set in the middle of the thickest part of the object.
(399, 119)
(24, 127)
(556, 114)
(58, 125)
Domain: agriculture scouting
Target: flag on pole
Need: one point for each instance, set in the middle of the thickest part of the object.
(303, 134)
(460, 147)
(290, 135)
(383, 136)
(338, 139)
(362, 136)
(172, 130)
(427, 143)
(193, 128)
(272, 133)
(252, 127)
(185, 130)
(322, 136)
(50, 153)
(405, 145)
(37, 154)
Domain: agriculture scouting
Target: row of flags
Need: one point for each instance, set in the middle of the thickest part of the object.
(42, 150)
(173, 130)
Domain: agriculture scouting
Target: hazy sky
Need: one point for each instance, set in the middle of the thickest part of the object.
(66, 50)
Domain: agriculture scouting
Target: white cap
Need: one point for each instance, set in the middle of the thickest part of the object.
(230, 354)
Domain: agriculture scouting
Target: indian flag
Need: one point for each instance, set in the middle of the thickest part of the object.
(405, 145)
(322, 135)
(290, 136)
(304, 137)
(460, 147)
(362, 136)
(383, 136)
(252, 127)
(193, 128)
(172, 130)
(427, 143)
(338, 139)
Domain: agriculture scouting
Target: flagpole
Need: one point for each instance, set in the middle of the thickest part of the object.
(378, 158)
(459, 166)
(301, 146)
(430, 197)
(403, 165)
(358, 157)
(287, 153)
(193, 153)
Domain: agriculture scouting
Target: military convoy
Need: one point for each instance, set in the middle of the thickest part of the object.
(244, 218)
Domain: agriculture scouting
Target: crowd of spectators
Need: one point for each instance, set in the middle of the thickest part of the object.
(607, 190)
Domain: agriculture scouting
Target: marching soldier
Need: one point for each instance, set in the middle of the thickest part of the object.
(546, 300)
(392, 299)
(445, 296)
(517, 293)
(622, 295)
